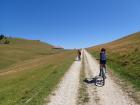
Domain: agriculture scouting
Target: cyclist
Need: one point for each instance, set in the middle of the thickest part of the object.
(79, 54)
(103, 60)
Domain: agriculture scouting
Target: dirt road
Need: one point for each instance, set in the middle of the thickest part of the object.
(111, 93)
(67, 91)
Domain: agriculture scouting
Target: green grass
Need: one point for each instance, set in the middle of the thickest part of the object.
(35, 70)
(34, 84)
(20, 50)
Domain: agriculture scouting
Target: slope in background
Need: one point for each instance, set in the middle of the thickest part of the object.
(20, 50)
(30, 70)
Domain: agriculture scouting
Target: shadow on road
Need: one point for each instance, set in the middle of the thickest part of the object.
(90, 80)
(97, 81)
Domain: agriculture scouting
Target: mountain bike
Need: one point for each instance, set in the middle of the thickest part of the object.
(100, 80)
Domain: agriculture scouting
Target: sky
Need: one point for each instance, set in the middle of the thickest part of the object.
(70, 23)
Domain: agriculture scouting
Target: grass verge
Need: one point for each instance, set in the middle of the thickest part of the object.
(30, 87)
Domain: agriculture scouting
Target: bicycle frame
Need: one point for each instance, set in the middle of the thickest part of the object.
(102, 72)
(100, 80)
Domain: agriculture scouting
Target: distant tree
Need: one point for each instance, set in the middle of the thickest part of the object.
(4, 39)
(2, 36)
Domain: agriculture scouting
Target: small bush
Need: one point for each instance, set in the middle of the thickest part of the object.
(6, 42)
(2, 36)
(4, 39)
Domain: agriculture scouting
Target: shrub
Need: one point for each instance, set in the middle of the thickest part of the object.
(2, 36)
(6, 42)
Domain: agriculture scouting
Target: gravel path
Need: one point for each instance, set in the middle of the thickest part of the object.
(91, 88)
(67, 91)
(111, 93)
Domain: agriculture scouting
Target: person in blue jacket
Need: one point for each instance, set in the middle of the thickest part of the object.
(103, 58)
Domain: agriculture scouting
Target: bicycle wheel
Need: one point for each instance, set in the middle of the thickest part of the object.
(99, 81)
(103, 76)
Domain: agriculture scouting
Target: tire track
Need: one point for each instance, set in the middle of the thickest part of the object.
(92, 89)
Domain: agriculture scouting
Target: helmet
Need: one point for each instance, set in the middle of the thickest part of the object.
(103, 49)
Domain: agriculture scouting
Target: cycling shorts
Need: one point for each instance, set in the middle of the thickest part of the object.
(102, 61)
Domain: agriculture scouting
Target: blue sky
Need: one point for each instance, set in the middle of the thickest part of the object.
(70, 23)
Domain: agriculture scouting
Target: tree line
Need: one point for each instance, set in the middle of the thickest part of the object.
(4, 39)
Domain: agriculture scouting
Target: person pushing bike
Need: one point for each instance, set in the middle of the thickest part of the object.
(103, 59)
(79, 55)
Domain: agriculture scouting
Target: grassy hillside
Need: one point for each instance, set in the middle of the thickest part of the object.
(20, 49)
(123, 57)
(30, 70)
